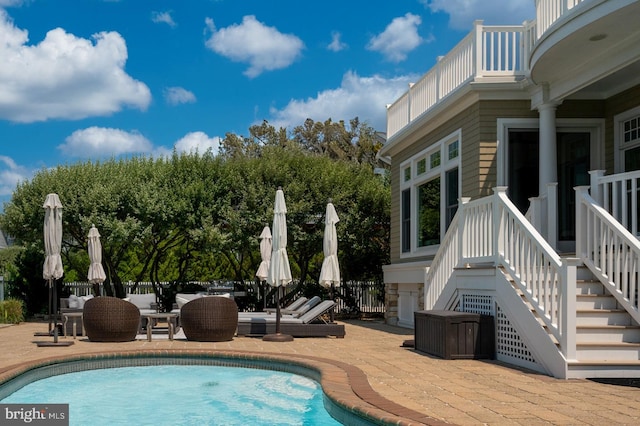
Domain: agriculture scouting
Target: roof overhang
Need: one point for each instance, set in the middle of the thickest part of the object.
(457, 102)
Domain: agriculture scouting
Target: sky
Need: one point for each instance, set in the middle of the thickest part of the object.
(89, 80)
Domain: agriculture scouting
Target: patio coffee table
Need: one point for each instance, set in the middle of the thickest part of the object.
(152, 320)
(75, 316)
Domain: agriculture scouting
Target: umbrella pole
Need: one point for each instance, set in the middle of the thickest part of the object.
(331, 314)
(49, 306)
(277, 337)
(55, 313)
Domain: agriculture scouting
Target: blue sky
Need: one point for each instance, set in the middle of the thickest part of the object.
(95, 79)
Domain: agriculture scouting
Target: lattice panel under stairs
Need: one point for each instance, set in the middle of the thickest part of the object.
(476, 304)
(508, 342)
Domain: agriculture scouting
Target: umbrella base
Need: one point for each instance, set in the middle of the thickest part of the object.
(277, 337)
(44, 344)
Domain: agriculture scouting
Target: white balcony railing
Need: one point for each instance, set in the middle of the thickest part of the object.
(488, 51)
(549, 11)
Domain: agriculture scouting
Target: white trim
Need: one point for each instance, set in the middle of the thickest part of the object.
(430, 173)
(595, 126)
(618, 147)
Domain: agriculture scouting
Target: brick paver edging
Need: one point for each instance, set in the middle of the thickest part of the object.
(344, 384)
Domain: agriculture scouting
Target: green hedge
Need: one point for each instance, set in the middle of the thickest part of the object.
(11, 311)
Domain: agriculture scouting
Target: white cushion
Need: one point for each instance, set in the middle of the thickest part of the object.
(142, 301)
(83, 299)
(227, 295)
(74, 303)
(182, 298)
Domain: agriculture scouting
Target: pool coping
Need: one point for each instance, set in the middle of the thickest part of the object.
(345, 385)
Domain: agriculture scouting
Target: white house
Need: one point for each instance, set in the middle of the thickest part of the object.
(515, 168)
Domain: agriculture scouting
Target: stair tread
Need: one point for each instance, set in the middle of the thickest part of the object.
(599, 311)
(619, 344)
(610, 326)
(604, 362)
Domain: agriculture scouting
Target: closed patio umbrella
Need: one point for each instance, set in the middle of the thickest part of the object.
(265, 255)
(96, 274)
(330, 271)
(52, 269)
(279, 270)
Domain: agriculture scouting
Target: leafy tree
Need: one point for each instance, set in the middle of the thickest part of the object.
(197, 217)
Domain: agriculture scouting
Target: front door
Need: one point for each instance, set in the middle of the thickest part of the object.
(573, 156)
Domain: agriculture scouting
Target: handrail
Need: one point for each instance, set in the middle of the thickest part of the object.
(536, 268)
(609, 250)
(549, 11)
(618, 194)
(443, 264)
(487, 51)
(493, 230)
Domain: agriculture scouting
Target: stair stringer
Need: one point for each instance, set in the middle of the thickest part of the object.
(538, 341)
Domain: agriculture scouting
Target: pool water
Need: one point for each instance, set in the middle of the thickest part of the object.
(181, 395)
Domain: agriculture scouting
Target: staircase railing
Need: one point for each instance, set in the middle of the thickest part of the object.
(609, 250)
(493, 230)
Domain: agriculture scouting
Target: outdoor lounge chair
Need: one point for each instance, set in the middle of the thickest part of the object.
(310, 324)
(294, 312)
(209, 319)
(109, 319)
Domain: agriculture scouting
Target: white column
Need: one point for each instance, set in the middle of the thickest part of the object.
(548, 165)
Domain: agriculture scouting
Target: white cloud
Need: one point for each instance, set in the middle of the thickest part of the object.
(63, 76)
(263, 48)
(336, 44)
(362, 97)
(198, 142)
(103, 141)
(163, 17)
(8, 3)
(462, 13)
(178, 95)
(398, 39)
(10, 175)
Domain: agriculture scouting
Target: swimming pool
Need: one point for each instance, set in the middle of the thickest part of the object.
(345, 411)
(181, 395)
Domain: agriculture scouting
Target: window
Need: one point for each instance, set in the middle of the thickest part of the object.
(453, 150)
(429, 199)
(429, 213)
(407, 174)
(406, 220)
(435, 159)
(627, 140)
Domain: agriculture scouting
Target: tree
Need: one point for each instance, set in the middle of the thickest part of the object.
(197, 217)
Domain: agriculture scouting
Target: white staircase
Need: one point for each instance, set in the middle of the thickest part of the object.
(607, 338)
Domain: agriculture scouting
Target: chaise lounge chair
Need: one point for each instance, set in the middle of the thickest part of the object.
(310, 324)
(295, 312)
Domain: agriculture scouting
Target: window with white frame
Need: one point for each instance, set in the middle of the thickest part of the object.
(429, 193)
(627, 139)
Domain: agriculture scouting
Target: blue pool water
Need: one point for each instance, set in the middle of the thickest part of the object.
(181, 395)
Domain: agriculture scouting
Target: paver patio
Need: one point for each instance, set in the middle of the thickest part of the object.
(414, 387)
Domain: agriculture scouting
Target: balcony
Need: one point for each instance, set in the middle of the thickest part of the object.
(486, 54)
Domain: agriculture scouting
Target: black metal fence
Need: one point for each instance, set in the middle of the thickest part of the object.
(352, 297)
